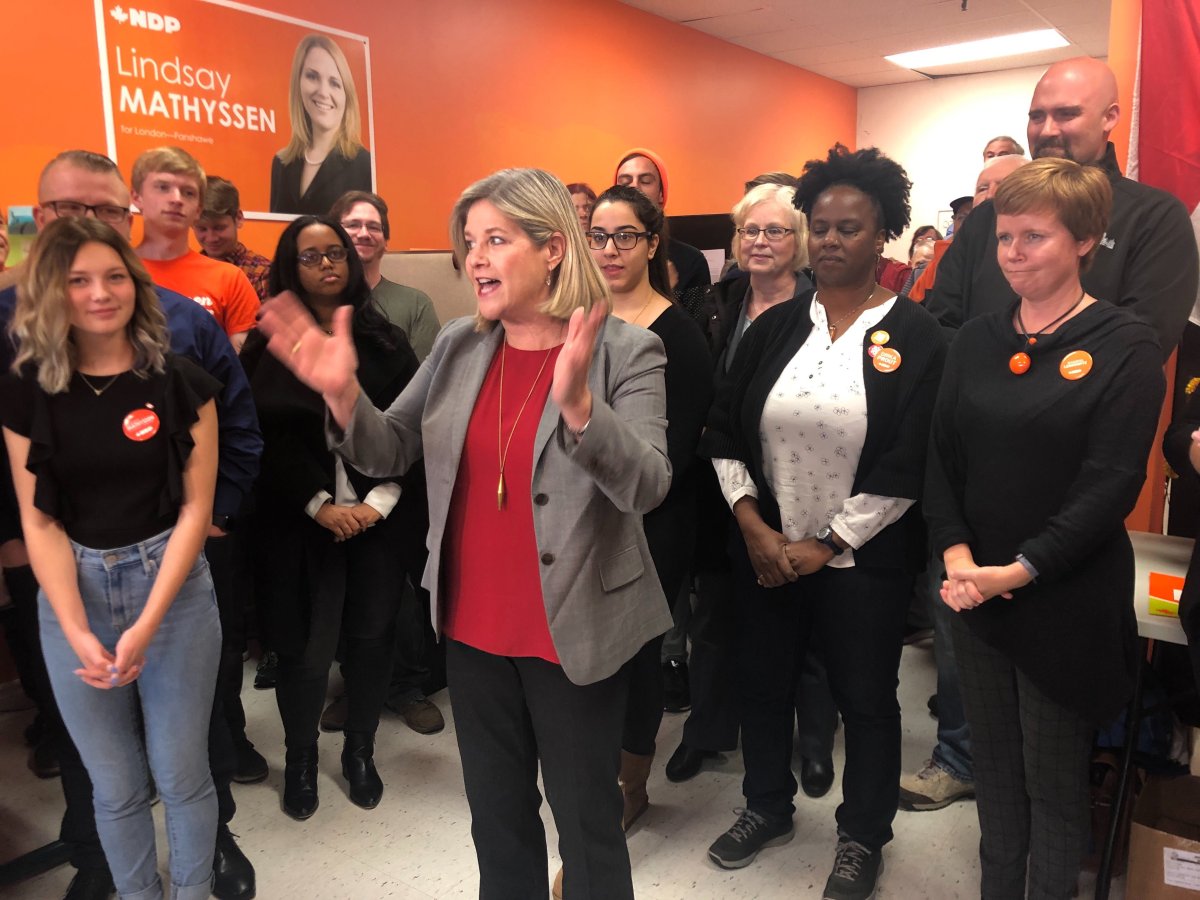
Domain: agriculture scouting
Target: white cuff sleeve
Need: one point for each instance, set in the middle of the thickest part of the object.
(865, 515)
(320, 498)
(383, 498)
(735, 480)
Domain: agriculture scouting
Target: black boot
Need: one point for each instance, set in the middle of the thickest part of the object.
(358, 768)
(300, 783)
(233, 875)
(91, 884)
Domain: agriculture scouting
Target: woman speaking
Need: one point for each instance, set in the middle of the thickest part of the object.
(542, 424)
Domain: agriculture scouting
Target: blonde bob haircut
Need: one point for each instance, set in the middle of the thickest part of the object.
(784, 196)
(541, 207)
(41, 324)
(348, 142)
(172, 161)
(1080, 197)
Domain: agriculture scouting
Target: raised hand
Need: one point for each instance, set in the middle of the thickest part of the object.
(326, 363)
(570, 387)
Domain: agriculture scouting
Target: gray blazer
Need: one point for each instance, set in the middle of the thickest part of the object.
(602, 594)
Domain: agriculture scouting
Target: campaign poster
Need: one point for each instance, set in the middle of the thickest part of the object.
(278, 105)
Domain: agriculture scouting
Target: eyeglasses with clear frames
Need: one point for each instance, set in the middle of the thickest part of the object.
(624, 240)
(105, 212)
(774, 233)
(312, 258)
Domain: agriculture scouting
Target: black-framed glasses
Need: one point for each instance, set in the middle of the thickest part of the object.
(312, 258)
(624, 240)
(774, 233)
(105, 212)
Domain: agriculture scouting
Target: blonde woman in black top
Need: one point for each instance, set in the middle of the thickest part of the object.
(113, 447)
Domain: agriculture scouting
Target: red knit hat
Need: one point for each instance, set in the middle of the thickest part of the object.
(654, 158)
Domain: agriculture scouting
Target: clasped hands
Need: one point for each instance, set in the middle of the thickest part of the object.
(104, 670)
(346, 521)
(778, 561)
(968, 585)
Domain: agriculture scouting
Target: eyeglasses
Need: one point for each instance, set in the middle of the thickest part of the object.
(624, 240)
(774, 233)
(358, 224)
(312, 258)
(105, 212)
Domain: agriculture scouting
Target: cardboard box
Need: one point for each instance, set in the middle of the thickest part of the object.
(1164, 846)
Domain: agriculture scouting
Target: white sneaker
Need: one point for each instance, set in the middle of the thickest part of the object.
(932, 788)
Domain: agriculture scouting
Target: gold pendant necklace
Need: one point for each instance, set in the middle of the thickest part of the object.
(501, 444)
(834, 327)
(95, 390)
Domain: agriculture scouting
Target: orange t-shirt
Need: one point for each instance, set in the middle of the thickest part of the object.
(221, 288)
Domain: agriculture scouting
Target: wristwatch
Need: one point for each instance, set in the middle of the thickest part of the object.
(825, 536)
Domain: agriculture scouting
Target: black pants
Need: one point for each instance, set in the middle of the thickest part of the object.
(714, 722)
(855, 617)
(510, 714)
(356, 597)
(1031, 776)
(78, 829)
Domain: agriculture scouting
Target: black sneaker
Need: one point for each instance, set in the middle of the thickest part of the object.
(750, 833)
(677, 694)
(855, 872)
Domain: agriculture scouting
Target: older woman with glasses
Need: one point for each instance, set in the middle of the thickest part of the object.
(770, 246)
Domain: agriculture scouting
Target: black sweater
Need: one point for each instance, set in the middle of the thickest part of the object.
(899, 407)
(1147, 261)
(1049, 468)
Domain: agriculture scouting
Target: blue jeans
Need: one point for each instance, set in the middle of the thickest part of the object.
(175, 693)
(953, 750)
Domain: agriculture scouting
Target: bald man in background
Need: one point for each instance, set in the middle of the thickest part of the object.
(1147, 259)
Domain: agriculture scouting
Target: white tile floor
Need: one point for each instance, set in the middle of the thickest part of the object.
(417, 844)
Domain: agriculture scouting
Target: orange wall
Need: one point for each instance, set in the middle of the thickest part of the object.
(464, 87)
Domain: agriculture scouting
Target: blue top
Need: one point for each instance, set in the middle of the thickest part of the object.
(196, 335)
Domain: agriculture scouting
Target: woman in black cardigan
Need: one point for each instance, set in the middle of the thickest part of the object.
(1039, 444)
(818, 437)
(328, 555)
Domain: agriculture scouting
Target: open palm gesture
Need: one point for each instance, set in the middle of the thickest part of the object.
(326, 363)
(570, 388)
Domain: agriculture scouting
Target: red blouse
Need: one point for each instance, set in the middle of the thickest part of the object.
(492, 587)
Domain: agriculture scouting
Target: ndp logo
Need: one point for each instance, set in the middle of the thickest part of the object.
(141, 18)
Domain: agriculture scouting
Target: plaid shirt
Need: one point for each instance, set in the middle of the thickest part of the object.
(256, 266)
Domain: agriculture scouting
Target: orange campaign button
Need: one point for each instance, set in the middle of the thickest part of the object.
(1075, 365)
(140, 425)
(887, 359)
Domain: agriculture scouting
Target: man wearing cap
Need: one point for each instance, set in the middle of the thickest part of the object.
(644, 169)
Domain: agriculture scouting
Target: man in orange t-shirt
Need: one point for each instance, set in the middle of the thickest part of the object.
(168, 188)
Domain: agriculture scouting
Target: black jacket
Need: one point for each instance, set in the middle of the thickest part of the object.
(899, 409)
(1147, 261)
(336, 176)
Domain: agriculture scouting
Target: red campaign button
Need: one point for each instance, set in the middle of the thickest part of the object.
(140, 425)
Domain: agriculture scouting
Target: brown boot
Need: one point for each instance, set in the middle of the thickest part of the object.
(556, 889)
(635, 770)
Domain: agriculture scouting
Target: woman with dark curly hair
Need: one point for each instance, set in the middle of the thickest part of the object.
(818, 436)
(329, 536)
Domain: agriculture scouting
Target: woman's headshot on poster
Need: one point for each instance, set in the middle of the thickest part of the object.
(325, 156)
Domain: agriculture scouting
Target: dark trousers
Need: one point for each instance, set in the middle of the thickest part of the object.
(78, 829)
(816, 713)
(356, 597)
(714, 721)
(855, 618)
(1031, 777)
(510, 713)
